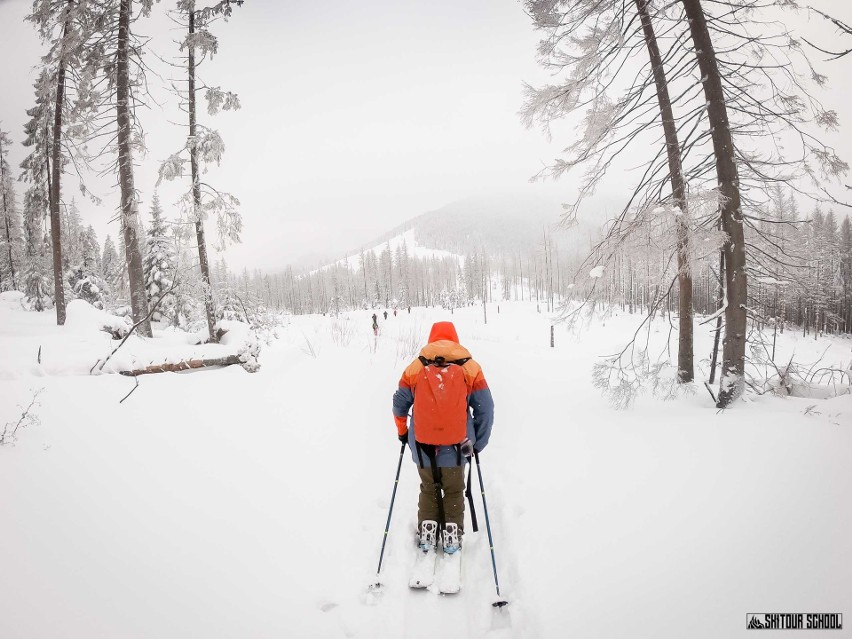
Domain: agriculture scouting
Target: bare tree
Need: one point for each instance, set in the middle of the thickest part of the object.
(685, 369)
(733, 345)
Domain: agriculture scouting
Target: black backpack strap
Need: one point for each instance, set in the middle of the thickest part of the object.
(440, 361)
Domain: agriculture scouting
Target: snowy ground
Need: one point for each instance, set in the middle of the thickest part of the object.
(228, 504)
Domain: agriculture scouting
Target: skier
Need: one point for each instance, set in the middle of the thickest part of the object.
(452, 418)
(386, 314)
(375, 325)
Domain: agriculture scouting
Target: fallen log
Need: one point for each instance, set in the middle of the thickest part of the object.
(184, 365)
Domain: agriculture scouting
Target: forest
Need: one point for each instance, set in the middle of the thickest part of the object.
(736, 216)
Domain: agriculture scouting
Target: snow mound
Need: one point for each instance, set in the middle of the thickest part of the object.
(240, 338)
(597, 271)
(83, 317)
(12, 300)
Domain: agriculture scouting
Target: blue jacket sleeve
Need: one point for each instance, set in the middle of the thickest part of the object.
(403, 398)
(483, 416)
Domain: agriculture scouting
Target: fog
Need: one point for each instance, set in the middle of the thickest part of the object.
(356, 116)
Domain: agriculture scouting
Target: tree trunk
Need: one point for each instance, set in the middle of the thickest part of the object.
(129, 206)
(184, 365)
(721, 299)
(54, 187)
(733, 347)
(685, 368)
(203, 261)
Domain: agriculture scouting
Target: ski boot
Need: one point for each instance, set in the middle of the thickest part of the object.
(451, 538)
(428, 535)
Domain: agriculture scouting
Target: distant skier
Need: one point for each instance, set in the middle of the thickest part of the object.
(386, 314)
(394, 312)
(375, 325)
(452, 417)
(409, 310)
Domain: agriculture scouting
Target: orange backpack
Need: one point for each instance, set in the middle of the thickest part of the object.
(440, 402)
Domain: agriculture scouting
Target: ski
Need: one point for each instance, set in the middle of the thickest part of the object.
(424, 569)
(449, 573)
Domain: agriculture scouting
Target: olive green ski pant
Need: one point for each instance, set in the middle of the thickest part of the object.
(452, 479)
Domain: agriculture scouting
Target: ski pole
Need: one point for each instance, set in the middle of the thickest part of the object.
(500, 602)
(390, 512)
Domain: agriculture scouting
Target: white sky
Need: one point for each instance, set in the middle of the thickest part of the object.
(356, 116)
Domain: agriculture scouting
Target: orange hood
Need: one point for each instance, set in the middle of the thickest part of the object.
(443, 331)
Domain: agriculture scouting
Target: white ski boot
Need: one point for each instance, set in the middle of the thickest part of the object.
(424, 567)
(451, 538)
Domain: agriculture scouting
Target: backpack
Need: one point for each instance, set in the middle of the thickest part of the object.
(440, 402)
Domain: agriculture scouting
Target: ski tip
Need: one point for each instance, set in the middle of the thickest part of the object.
(500, 604)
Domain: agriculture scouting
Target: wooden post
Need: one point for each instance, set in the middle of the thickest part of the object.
(552, 340)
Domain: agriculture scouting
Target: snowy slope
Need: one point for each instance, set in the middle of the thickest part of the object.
(228, 504)
(405, 239)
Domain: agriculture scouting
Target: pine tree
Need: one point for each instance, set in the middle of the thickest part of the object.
(71, 233)
(38, 284)
(11, 236)
(85, 278)
(204, 146)
(110, 265)
(159, 263)
(846, 274)
(66, 26)
(125, 119)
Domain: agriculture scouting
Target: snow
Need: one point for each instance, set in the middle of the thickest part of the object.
(76, 347)
(227, 504)
(597, 272)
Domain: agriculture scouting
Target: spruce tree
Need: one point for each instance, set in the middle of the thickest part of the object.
(159, 262)
(85, 278)
(110, 265)
(11, 239)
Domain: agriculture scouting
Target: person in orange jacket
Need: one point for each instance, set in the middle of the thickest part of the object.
(441, 465)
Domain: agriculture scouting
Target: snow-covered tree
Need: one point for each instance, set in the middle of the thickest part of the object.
(39, 286)
(110, 265)
(66, 26)
(11, 233)
(159, 263)
(204, 146)
(71, 234)
(85, 278)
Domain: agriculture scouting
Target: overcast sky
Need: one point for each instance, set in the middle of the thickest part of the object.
(356, 115)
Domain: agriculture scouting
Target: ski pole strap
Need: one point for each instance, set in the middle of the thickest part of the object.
(469, 494)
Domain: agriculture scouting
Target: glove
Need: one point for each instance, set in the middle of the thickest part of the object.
(403, 439)
(466, 447)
